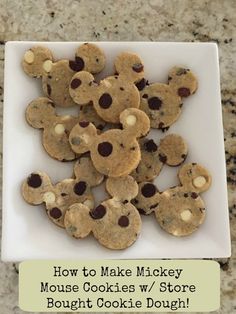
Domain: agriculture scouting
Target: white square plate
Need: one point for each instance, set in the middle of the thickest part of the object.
(28, 234)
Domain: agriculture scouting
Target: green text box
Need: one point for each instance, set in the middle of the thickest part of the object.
(119, 285)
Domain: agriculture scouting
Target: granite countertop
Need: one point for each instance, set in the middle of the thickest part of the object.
(133, 20)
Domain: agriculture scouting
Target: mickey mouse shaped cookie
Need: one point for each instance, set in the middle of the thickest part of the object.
(38, 189)
(114, 93)
(115, 152)
(41, 114)
(38, 62)
(163, 102)
(171, 151)
(115, 223)
(179, 210)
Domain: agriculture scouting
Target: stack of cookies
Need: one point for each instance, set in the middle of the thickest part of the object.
(108, 141)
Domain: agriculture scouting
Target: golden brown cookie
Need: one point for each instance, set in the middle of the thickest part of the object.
(56, 75)
(38, 189)
(179, 210)
(115, 223)
(115, 152)
(171, 151)
(163, 102)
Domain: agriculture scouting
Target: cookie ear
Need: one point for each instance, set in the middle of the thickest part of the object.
(135, 122)
(85, 170)
(90, 57)
(123, 188)
(35, 187)
(36, 61)
(82, 137)
(130, 66)
(40, 112)
(172, 150)
(194, 177)
(147, 199)
(183, 81)
(77, 220)
(82, 88)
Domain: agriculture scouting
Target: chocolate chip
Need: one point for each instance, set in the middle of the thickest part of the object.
(141, 84)
(105, 101)
(49, 89)
(154, 103)
(63, 194)
(169, 78)
(194, 195)
(122, 88)
(185, 194)
(123, 221)
(80, 187)
(79, 64)
(181, 71)
(183, 156)
(183, 92)
(75, 83)
(100, 127)
(49, 76)
(160, 125)
(162, 158)
(105, 149)
(135, 201)
(125, 202)
(98, 212)
(145, 96)
(141, 211)
(34, 180)
(148, 190)
(138, 67)
(55, 213)
(154, 206)
(150, 146)
(83, 124)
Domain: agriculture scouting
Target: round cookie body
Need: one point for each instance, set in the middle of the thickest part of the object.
(115, 155)
(119, 227)
(56, 83)
(114, 95)
(161, 104)
(180, 212)
(90, 57)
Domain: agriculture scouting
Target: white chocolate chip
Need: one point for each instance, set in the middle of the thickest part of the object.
(199, 182)
(67, 117)
(59, 129)
(186, 215)
(47, 65)
(49, 197)
(175, 233)
(89, 204)
(29, 57)
(131, 120)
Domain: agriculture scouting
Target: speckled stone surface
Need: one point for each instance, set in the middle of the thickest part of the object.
(133, 20)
